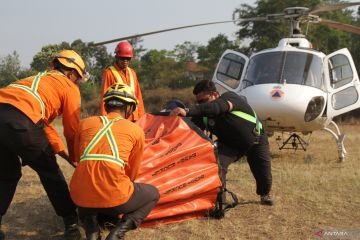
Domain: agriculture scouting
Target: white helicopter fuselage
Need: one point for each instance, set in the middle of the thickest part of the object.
(282, 106)
(292, 87)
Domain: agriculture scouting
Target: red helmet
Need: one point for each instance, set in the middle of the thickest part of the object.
(124, 49)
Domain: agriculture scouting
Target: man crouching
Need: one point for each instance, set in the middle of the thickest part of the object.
(109, 150)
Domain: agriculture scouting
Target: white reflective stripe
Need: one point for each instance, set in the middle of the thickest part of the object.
(105, 130)
(37, 97)
(120, 80)
(34, 87)
(111, 139)
(113, 144)
(97, 137)
(103, 157)
(33, 91)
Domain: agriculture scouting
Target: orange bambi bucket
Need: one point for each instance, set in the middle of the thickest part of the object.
(181, 162)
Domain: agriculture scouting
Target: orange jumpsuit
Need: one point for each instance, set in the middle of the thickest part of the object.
(109, 79)
(101, 183)
(59, 95)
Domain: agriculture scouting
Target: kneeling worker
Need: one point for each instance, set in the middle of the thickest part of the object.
(109, 150)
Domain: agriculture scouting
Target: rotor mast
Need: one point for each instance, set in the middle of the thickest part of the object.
(294, 15)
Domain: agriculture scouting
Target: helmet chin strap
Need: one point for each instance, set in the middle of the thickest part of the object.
(128, 111)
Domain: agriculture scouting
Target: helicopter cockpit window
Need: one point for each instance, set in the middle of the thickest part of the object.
(264, 68)
(230, 70)
(340, 71)
(284, 67)
(303, 68)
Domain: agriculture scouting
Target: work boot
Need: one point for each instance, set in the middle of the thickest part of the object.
(91, 226)
(266, 200)
(71, 228)
(2, 234)
(118, 232)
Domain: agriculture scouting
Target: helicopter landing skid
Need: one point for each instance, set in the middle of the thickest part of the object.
(339, 140)
(294, 141)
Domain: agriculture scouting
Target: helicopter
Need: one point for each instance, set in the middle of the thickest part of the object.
(294, 88)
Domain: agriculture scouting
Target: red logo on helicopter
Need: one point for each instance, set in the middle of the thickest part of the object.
(277, 94)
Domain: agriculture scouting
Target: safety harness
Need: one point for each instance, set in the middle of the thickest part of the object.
(34, 87)
(105, 130)
(120, 80)
(253, 119)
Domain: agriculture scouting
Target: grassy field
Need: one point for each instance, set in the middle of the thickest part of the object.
(311, 189)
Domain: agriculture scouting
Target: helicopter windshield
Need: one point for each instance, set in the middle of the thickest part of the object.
(284, 67)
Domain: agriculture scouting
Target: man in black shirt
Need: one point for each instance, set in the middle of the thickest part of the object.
(238, 132)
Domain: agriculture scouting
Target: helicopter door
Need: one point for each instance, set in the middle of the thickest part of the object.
(229, 71)
(343, 87)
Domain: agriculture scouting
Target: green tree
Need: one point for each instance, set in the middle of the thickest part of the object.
(41, 60)
(138, 48)
(210, 54)
(9, 69)
(158, 69)
(185, 52)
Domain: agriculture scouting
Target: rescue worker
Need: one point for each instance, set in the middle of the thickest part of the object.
(238, 132)
(27, 108)
(120, 72)
(109, 150)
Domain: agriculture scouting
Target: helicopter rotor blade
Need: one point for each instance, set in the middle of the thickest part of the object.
(341, 26)
(332, 7)
(177, 28)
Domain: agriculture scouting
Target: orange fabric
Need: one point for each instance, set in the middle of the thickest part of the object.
(60, 96)
(182, 165)
(102, 184)
(109, 79)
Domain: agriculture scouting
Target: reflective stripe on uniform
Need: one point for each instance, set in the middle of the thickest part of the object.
(245, 116)
(120, 80)
(105, 130)
(248, 117)
(33, 89)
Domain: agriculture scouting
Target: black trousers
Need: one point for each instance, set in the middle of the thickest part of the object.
(258, 158)
(140, 204)
(24, 143)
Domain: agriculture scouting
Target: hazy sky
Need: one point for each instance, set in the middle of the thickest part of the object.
(28, 25)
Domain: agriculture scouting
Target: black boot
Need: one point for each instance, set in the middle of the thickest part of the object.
(2, 234)
(118, 232)
(71, 228)
(91, 226)
(266, 200)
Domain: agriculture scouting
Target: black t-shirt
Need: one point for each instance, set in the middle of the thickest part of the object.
(229, 129)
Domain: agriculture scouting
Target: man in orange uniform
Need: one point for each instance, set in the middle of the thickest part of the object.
(120, 72)
(27, 108)
(110, 150)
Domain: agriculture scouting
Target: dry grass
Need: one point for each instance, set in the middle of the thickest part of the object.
(312, 192)
(155, 99)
